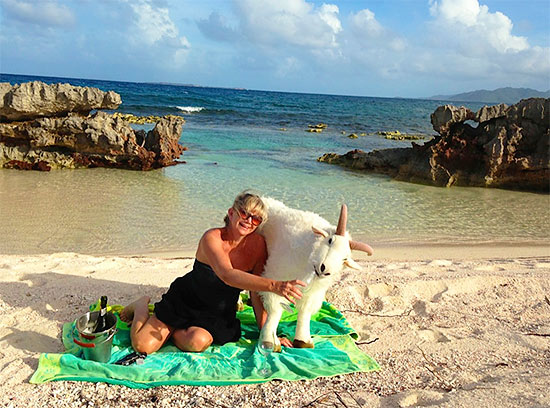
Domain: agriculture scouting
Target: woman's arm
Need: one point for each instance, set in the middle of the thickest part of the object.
(211, 247)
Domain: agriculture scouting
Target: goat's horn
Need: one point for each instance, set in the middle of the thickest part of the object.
(342, 221)
(360, 246)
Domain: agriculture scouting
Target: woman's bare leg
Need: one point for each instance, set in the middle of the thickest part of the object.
(148, 333)
(195, 339)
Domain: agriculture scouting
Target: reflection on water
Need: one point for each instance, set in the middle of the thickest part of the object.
(102, 211)
(91, 211)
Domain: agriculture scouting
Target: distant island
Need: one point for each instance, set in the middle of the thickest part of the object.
(193, 85)
(501, 95)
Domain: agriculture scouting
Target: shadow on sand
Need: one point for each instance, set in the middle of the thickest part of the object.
(38, 306)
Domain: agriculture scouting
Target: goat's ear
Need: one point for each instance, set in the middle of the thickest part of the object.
(350, 263)
(317, 231)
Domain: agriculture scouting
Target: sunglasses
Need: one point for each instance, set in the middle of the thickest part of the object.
(255, 219)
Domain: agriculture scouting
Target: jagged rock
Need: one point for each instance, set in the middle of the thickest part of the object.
(508, 149)
(533, 109)
(487, 113)
(161, 140)
(36, 99)
(45, 127)
(445, 116)
(99, 140)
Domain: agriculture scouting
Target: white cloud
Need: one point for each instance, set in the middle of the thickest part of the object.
(536, 61)
(272, 23)
(296, 42)
(467, 42)
(281, 37)
(43, 13)
(329, 14)
(364, 24)
(462, 11)
(154, 28)
(377, 49)
(371, 34)
(472, 23)
(156, 25)
(464, 44)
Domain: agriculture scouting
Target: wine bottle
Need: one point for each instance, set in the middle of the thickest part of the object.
(100, 323)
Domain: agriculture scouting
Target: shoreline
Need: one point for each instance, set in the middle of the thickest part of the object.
(382, 252)
(409, 252)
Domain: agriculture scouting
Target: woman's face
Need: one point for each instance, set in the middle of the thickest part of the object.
(243, 221)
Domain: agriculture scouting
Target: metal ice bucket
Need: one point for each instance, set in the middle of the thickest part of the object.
(96, 346)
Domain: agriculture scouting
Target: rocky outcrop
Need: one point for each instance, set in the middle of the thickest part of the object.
(445, 116)
(76, 139)
(32, 100)
(159, 140)
(509, 148)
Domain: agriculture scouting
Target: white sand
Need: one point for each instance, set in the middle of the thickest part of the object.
(450, 326)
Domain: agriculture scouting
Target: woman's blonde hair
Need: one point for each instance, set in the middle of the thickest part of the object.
(251, 203)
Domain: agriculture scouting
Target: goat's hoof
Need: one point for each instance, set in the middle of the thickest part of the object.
(301, 344)
(277, 348)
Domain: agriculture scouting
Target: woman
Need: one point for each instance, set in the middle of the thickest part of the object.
(200, 307)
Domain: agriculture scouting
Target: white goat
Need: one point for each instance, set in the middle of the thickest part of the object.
(302, 245)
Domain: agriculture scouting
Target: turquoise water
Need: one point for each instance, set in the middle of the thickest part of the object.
(235, 142)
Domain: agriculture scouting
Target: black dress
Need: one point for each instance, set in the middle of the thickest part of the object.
(201, 299)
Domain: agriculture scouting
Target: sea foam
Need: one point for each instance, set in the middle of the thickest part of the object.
(190, 109)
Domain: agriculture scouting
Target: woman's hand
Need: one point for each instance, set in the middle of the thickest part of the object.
(289, 289)
(285, 342)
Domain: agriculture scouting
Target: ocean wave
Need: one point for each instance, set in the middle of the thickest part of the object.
(190, 109)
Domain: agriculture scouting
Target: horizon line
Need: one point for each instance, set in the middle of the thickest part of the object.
(437, 97)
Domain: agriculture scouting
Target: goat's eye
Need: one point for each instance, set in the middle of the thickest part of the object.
(330, 241)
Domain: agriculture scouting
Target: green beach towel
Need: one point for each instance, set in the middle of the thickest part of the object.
(335, 353)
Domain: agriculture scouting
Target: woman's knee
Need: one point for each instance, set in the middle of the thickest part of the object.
(151, 336)
(201, 342)
(142, 344)
(194, 339)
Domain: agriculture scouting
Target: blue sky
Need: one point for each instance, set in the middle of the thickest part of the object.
(409, 48)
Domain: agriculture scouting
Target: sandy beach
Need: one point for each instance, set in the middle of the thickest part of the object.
(450, 326)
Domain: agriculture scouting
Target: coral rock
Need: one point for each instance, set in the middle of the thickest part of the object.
(445, 116)
(78, 141)
(36, 99)
(508, 149)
